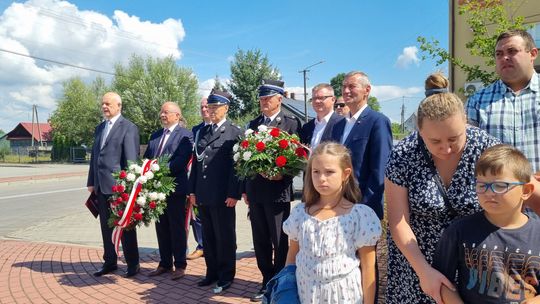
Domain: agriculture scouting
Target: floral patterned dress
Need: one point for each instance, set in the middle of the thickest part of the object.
(327, 266)
(429, 216)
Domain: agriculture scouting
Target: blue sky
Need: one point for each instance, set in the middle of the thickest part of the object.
(348, 35)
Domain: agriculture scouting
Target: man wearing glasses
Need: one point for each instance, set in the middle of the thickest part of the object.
(319, 129)
(508, 108)
(340, 107)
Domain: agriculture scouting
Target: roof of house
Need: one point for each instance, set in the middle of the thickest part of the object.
(24, 131)
(297, 108)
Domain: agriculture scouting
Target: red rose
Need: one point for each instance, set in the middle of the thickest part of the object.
(301, 152)
(152, 205)
(120, 188)
(281, 161)
(283, 144)
(114, 188)
(118, 200)
(122, 174)
(260, 146)
(245, 144)
(116, 222)
(274, 132)
(120, 213)
(125, 197)
(137, 208)
(138, 216)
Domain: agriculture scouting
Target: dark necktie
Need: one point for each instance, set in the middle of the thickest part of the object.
(162, 142)
(267, 121)
(213, 129)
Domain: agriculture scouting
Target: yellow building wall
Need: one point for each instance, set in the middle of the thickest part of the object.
(460, 34)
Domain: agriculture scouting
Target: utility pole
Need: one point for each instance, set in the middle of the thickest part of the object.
(403, 115)
(304, 72)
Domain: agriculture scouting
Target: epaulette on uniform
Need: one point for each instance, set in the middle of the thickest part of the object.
(237, 127)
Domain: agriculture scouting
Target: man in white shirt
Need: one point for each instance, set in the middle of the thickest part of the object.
(368, 136)
(319, 129)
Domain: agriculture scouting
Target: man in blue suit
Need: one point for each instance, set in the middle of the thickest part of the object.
(116, 141)
(319, 129)
(368, 135)
(196, 224)
(177, 143)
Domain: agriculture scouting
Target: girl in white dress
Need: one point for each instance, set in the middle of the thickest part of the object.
(332, 239)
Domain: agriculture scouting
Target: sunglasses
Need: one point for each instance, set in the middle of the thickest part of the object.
(339, 105)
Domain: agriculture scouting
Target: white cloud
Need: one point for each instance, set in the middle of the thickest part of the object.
(206, 86)
(58, 30)
(299, 92)
(385, 92)
(408, 57)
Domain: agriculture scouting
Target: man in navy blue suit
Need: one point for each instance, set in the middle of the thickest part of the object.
(196, 223)
(368, 135)
(177, 143)
(116, 141)
(319, 129)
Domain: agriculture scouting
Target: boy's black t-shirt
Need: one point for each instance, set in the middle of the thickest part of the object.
(493, 265)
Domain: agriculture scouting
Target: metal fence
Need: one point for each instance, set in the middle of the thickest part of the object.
(45, 154)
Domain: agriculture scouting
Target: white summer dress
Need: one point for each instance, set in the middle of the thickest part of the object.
(327, 267)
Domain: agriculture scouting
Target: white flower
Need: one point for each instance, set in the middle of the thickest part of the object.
(141, 201)
(235, 148)
(143, 179)
(247, 155)
(154, 167)
(262, 128)
(132, 167)
(149, 175)
(153, 196)
(157, 184)
(236, 156)
(138, 170)
(130, 177)
(248, 131)
(161, 196)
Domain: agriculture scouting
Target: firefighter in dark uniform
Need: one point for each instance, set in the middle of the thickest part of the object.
(215, 189)
(269, 199)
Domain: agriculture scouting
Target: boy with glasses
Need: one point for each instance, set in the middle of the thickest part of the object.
(495, 253)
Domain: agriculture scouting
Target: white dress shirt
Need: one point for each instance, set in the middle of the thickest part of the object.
(318, 131)
(351, 120)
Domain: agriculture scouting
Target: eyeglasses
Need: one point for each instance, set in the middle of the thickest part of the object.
(339, 105)
(320, 98)
(496, 187)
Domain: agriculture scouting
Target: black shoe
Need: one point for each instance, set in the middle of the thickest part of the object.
(206, 282)
(105, 270)
(258, 296)
(222, 286)
(132, 270)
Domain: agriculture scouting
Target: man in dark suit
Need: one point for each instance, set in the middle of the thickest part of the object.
(368, 136)
(269, 199)
(177, 143)
(319, 129)
(215, 189)
(116, 141)
(196, 223)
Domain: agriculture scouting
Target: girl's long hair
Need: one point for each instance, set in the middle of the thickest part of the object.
(350, 190)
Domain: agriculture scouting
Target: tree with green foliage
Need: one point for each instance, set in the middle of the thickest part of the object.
(373, 103)
(337, 82)
(248, 69)
(78, 112)
(4, 146)
(486, 19)
(218, 85)
(145, 84)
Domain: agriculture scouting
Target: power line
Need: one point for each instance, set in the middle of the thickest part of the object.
(57, 62)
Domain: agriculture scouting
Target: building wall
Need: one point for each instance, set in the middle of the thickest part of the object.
(461, 34)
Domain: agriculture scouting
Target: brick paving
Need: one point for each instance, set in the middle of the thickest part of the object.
(34, 272)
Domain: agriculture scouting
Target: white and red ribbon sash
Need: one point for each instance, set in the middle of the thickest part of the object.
(125, 220)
